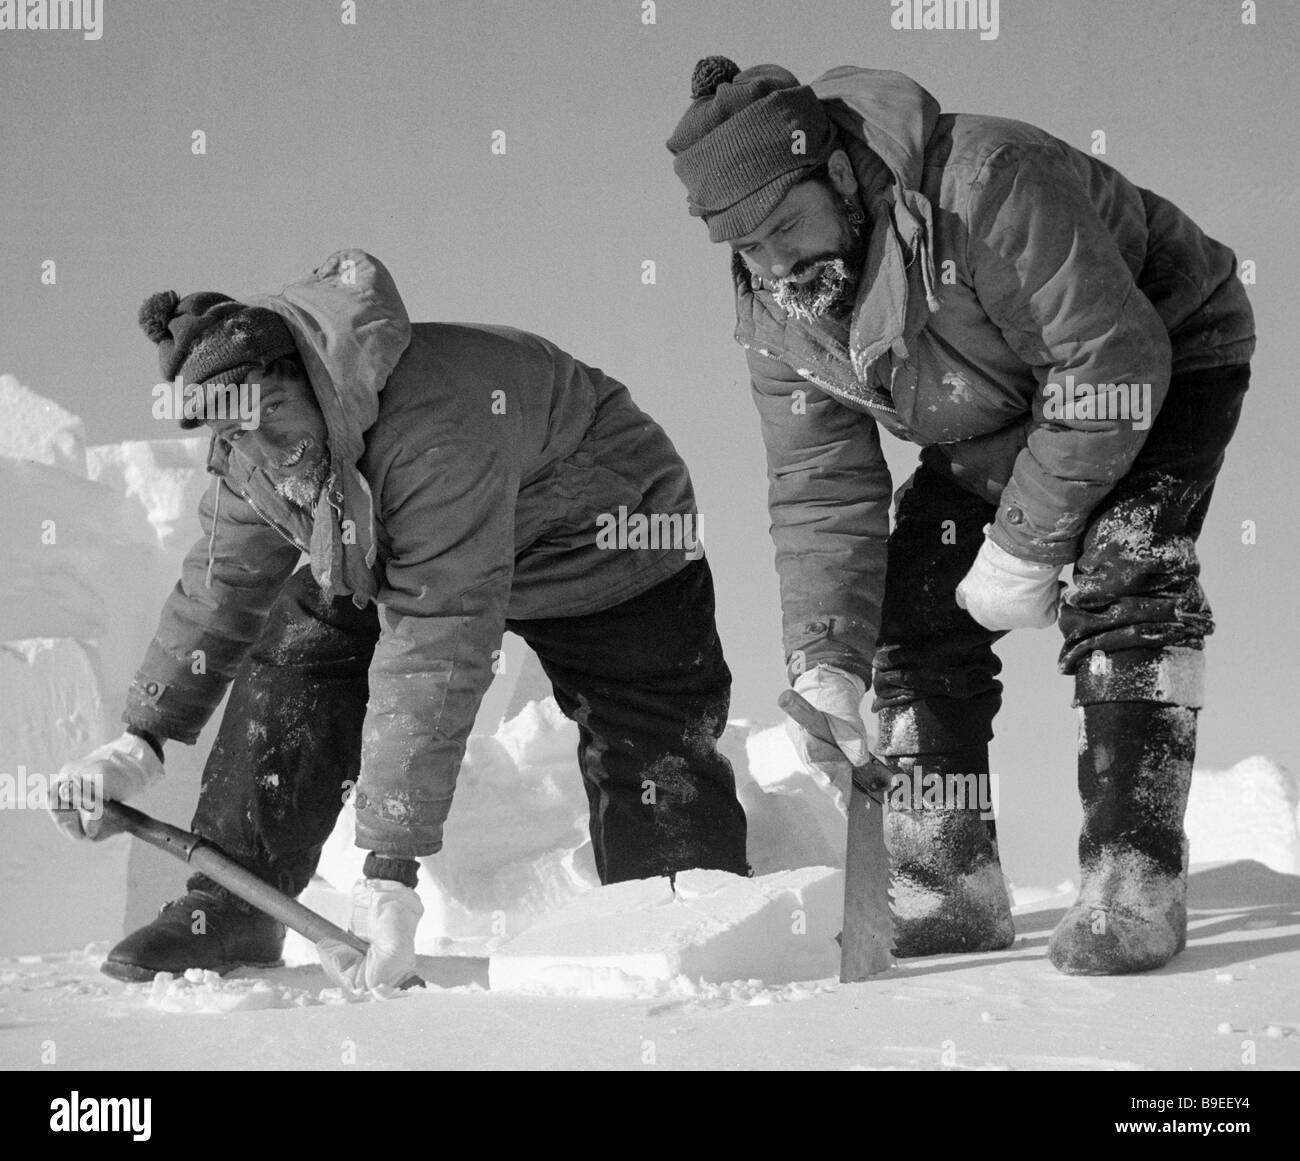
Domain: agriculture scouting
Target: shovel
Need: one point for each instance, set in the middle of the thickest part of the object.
(866, 941)
(191, 849)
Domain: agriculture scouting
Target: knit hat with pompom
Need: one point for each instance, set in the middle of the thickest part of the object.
(748, 136)
(210, 338)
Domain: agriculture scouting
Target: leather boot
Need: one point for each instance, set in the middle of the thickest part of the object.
(206, 928)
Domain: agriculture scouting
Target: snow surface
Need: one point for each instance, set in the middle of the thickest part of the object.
(1228, 1003)
(530, 963)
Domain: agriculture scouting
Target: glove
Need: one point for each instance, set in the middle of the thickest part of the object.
(838, 695)
(386, 914)
(1002, 591)
(113, 773)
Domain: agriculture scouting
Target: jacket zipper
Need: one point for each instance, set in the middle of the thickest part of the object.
(819, 383)
(267, 519)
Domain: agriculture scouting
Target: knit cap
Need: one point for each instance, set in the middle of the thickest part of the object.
(210, 338)
(747, 138)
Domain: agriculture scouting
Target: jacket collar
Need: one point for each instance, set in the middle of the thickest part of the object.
(318, 533)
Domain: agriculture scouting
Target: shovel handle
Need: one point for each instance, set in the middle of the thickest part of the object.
(219, 867)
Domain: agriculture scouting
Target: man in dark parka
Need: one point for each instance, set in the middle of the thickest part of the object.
(447, 482)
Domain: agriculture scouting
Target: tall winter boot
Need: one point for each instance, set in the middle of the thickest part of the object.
(1135, 772)
(949, 894)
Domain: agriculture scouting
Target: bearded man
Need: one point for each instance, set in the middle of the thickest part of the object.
(1071, 352)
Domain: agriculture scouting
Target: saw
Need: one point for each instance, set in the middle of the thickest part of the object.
(866, 941)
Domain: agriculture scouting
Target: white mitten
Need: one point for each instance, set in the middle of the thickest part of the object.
(385, 913)
(838, 694)
(115, 772)
(1002, 591)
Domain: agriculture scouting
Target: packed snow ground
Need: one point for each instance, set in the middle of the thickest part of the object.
(530, 963)
(1228, 1003)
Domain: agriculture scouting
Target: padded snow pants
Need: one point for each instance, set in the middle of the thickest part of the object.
(1136, 591)
(645, 681)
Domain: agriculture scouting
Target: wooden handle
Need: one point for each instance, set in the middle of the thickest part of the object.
(222, 869)
(873, 777)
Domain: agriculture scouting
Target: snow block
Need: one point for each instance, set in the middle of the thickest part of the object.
(643, 938)
(796, 817)
(71, 546)
(1251, 811)
(57, 894)
(515, 846)
(166, 477)
(39, 430)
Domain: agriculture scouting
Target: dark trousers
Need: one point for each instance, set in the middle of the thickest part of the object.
(645, 681)
(1136, 579)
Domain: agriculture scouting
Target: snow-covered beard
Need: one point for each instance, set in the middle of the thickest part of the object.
(831, 290)
(303, 489)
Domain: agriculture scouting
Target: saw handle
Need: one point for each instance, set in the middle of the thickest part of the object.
(873, 777)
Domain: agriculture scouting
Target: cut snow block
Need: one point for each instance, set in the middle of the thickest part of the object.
(56, 893)
(796, 817)
(643, 938)
(166, 477)
(515, 847)
(72, 548)
(38, 429)
(1248, 812)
